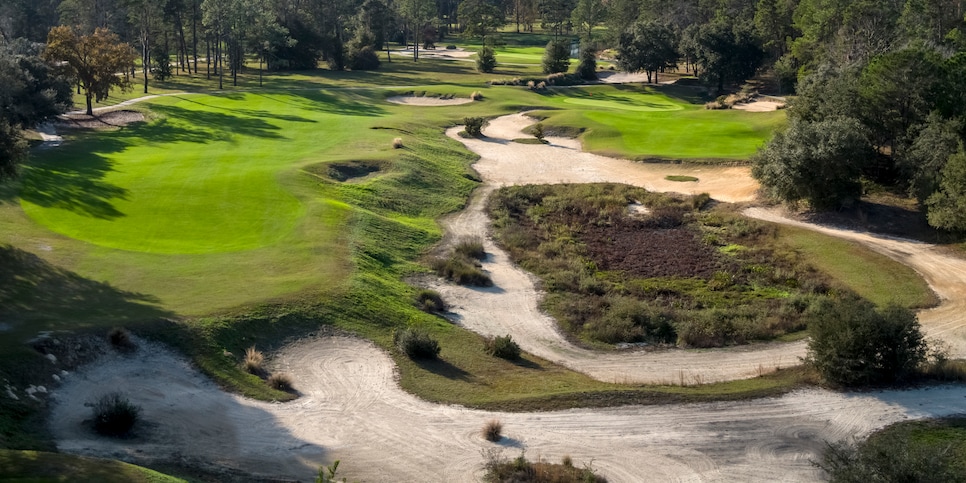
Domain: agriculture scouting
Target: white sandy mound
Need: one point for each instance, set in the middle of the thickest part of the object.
(352, 409)
(759, 106)
(429, 101)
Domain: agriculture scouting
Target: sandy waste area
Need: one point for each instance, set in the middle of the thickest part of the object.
(352, 409)
(429, 101)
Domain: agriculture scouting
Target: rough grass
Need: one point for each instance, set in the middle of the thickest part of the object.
(253, 360)
(680, 178)
(280, 381)
(42, 466)
(430, 301)
(677, 276)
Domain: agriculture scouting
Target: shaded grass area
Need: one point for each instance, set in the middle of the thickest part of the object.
(54, 467)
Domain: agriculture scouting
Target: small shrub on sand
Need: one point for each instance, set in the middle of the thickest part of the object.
(397, 143)
(471, 248)
(253, 360)
(280, 381)
(502, 347)
(416, 344)
(474, 125)
(520, 470)
(430, 301)
(538, 131)
(493, 430)
(461, 270)
(120, 339)
(114, 414)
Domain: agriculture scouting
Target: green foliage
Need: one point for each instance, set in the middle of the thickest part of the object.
(114, 414)
(587, 68)
(416, 344)
(39, 466)
(725, 50)
(327, 474)
(648, 47)
(486, 59)
(947, 207)
(503, 347)
(556, 57)
(816, 162)
(13, 150)
(538, 131)
(161, 70)
(474, 125)
(853, 344)
(921, 451)
(363, 58)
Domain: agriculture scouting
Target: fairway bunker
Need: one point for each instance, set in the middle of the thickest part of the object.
(348, 170)
(428, 101)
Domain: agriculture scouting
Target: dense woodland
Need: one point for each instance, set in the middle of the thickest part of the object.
(880, 83)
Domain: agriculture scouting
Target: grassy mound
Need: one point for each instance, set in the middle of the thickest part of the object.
(41, 466)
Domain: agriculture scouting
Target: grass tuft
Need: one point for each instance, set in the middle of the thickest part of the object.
(503, 347)
(397, 143)
(120, 339)
(416, 344)
(430, 301)
(493, 430)
(280, 381)
(471, 248)
(253, 360)
(114, 414)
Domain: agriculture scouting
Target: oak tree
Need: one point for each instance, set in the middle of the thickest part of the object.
(96, 60)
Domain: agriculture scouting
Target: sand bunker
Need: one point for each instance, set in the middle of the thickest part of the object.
(760, 106)
(429, 101)
(352, 409)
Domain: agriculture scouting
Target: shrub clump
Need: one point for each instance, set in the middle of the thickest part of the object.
(280, 381)
(493, 430)
(476, 96)
(854, 344)
(120, 339)
(114, 414)
(521, 470)
(253, 360)
(474, 126)
(430, 301)
(461, 270)
(470, 248)
(587, 68)
(416, 344)
(397, 143)
(503, 347)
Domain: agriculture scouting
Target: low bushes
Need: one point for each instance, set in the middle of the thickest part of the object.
(416, 344)
(280, 381)
(502, 347)
(114, 414)
(520, 470)
(463, 265)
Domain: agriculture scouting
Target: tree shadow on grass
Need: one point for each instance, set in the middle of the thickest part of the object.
(443, 368)
(218, 125)
(46, 297)
(75, 186)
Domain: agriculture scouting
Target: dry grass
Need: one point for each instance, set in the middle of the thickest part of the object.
(493, 430)
(476, 96)
(253, 360)
(397, 143)
(280, 381)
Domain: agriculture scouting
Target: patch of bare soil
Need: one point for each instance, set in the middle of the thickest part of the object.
(352, 410)
(100, 120)
(429, 101)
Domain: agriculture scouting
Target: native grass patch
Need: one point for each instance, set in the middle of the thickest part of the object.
(500, 469)
(674, 276)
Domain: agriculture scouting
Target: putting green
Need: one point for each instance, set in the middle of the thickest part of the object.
(651, 105)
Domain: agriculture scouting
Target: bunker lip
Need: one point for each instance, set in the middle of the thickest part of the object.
(428, 101)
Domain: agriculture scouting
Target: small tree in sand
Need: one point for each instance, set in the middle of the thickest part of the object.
(94, 60)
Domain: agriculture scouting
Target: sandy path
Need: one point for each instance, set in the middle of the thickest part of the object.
(759, 106)
(352, 409)
(511, 305)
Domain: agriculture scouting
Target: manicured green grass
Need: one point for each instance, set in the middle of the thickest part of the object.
(35, 466)
(873, 276)
(675, 125)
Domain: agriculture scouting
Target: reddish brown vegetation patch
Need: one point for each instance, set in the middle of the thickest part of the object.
(632, 247)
